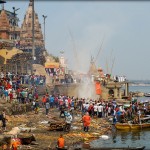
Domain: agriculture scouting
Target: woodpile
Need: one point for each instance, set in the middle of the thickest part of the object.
(27, 140)
(56, 126)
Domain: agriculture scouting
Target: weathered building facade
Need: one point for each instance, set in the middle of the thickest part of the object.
(11, 35)
(4, 26)
(9, 28)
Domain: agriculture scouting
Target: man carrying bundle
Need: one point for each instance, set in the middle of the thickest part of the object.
(68, 120)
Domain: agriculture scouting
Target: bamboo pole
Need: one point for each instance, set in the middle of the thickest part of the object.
(112, 65)
(100, 49)
(75, 51)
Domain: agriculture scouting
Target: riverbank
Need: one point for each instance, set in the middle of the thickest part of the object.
(48, 139)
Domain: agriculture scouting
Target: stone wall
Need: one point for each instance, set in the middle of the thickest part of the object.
(76, 90)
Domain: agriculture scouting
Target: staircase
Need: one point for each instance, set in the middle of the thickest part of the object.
(39, 69)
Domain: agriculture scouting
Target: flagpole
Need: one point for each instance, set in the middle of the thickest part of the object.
(33, 38)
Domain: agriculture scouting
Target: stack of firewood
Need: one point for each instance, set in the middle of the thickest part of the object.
(56, 126)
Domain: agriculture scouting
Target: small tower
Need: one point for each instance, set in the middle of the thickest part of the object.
(92, 69)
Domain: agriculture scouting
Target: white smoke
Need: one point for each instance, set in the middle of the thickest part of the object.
(87, 90)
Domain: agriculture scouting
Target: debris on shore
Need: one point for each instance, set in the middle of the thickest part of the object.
(38, 124)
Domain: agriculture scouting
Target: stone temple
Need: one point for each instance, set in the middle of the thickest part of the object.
(26, 35)
(14, 39)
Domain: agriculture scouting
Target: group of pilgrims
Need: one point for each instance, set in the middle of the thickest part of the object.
(96, 108)
(68, 106)
(14, 80)
(13, 87)
(10, 90)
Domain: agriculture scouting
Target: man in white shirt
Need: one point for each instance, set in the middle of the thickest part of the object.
(86, 107)
(66, 103)
(68, 120)
(95, 109)
(100, 110)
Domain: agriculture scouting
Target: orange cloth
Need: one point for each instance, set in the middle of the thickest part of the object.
(86, 120)
(44, 99)
(61, 142)
(98, 88)
(16, 143)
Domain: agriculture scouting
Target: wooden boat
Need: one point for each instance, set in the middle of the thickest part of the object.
(108, 148)
(144, 123)
(61, 148)
(122, 126)
(111, 148)
(147, 94)
(118, 148)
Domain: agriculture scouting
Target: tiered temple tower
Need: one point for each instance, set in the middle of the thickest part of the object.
(26, 34)
(4, 26)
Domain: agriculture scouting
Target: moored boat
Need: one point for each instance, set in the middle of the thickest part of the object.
(115, 148)
(107, 148)
(147, 94)
(122, 126)
(144, 123)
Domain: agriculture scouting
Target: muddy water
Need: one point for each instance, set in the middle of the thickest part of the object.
(124, 139)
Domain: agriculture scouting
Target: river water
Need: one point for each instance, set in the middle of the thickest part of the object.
(127, 138)
(124, 139)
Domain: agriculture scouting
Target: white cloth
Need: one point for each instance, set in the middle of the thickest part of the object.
(68, 119)
(95, 108)
(100, 108)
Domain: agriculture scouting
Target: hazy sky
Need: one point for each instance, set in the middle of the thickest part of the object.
(80, 28)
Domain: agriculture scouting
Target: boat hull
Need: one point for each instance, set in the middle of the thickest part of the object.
(126, 126)
(147, 94)
(119, 148)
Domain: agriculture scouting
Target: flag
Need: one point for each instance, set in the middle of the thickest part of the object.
(98, 88)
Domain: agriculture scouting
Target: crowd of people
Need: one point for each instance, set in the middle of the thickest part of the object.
(16, 79)
(95, 108)
(12, 91)
(12, 87)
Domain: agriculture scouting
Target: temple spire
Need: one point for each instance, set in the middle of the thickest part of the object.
(30, 4)
(2, 6)
(26, 32)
